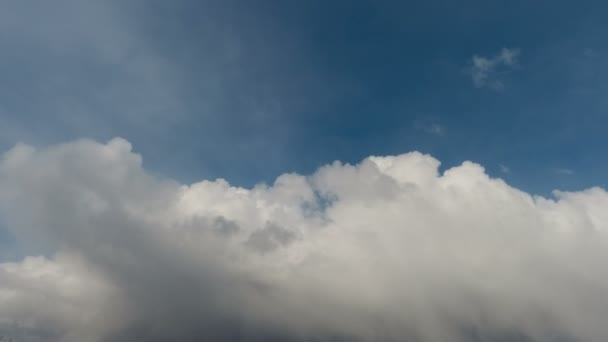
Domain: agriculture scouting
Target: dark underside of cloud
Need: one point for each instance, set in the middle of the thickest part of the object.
(385, 250)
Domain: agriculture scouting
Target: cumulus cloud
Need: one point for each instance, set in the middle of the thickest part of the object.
(388, 249)
(486, 71)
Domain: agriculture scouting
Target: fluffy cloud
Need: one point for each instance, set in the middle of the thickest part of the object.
(485, 71)
(388, 249)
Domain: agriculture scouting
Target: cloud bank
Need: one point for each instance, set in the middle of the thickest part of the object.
(388, 249)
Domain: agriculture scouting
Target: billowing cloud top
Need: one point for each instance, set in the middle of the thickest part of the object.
(388, 249)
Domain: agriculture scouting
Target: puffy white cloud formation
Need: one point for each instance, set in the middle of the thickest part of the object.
(388, 249)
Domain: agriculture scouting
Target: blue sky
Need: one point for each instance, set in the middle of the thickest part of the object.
(248, 90)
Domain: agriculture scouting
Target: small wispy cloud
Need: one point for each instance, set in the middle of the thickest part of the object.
(589, 52)
(430, 127)
(434, 129)
(486, 71)
(504, 169)
(563, 171)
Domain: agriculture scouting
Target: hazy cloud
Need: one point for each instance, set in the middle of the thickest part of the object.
(486, 71)
(429, 126)
(563, 171)
(588, 52)
(388, 249)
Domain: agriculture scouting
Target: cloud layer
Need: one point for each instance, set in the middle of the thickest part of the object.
(388, 249)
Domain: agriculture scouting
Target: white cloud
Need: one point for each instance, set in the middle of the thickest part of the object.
(39, 295)
(485, 71)
(388, 249)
